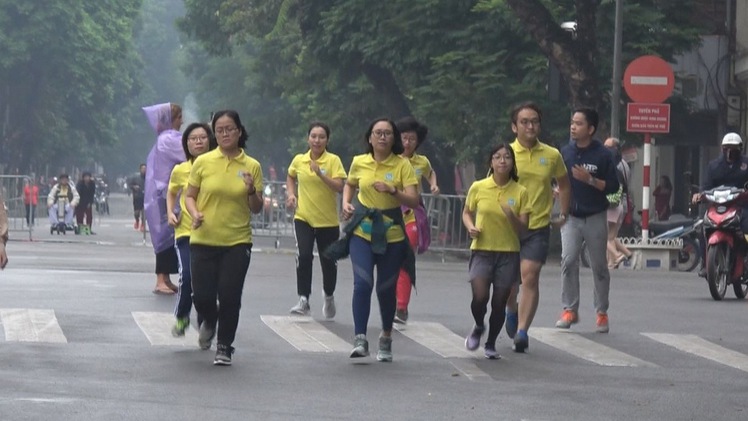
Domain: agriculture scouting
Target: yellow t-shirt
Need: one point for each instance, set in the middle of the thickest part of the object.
(422, 167)
(178, 185)
(536, 167)
(223, 198)
(317, 203)
(365, 171)
(483, 199)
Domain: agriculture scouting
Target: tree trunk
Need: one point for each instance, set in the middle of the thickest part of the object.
(384, 82)
(574, 56)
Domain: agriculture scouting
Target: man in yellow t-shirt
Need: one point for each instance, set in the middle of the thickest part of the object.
(319, 175)
(538, 164)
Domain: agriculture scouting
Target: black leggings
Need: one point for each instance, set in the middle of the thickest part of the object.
(305, 237)
(219, 272)
(481, 293)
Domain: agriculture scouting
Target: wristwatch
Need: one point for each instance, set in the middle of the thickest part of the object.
(591, 181)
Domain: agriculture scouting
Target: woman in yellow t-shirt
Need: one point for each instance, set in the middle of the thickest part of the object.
(413, 134)
(496, 212)
(384, 181)
(319, 175)
(196, 140)
(224, 189)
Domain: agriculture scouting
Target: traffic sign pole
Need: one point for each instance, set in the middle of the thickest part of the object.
(645, 186)
(648, 81)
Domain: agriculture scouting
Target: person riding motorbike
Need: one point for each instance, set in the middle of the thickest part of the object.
(731, 170)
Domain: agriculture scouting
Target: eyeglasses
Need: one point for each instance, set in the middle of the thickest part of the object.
(197, 138)
(226, 130)
(410, 138)
(502, 157)
(382, 133)
(526, 123)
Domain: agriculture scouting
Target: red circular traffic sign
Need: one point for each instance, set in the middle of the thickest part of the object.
(649, 79)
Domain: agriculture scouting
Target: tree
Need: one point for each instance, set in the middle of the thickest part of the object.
(64, 67)
(664, 28)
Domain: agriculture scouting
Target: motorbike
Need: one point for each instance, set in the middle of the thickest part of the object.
(677, 226)
(726, 245)
(686, 229)
(102, 200)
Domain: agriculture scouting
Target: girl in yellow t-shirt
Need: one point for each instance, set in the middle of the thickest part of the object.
(413, 134)
(196, 140)
(496, 211)
(385, 181)
(319, 175)
(224, 189)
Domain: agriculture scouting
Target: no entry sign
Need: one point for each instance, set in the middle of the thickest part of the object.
(649, 79)
(648, 118)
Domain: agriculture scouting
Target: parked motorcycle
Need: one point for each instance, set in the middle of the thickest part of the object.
(678, 226)
(686, 229)
(726, 250)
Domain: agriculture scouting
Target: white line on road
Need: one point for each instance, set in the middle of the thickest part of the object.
(305, 334)
(586, 349)
(649, 80)
(157, 328)
(695, 345)
(437, 338)
(31, 325)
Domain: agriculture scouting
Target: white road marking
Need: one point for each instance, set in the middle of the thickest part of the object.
(31, 325)
(649, 80)
(157, 328)
(437, 338)
(695, 345)
(586, 349)
(305, 334)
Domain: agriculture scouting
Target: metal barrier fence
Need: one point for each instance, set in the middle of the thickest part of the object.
(448, 235)
(12, 191)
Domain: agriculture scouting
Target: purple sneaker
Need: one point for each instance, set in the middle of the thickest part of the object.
(472, 342)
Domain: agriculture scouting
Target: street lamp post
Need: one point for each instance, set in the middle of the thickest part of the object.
(615, 101)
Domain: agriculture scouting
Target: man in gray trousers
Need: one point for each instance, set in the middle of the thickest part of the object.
(593, 172)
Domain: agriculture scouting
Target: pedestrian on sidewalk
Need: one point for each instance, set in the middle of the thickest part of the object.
(375, 234)
(224, 189)
(594, 176)
(319, 176)
(495, 215)
(197, 139)
(87, 192)
(136, 186)
(30, 200)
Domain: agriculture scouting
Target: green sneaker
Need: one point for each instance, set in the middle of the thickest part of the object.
(180, 326)
(384, 354)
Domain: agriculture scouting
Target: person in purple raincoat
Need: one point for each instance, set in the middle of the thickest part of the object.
(166, 119)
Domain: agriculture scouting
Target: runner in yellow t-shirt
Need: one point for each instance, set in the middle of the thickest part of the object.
(319, 175)
(196, 140)
(224, 189)
(413, 134)
(496, 212)
(384, 181)
(538, 165)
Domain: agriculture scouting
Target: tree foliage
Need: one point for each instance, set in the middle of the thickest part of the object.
(66, 69)
(458, 66)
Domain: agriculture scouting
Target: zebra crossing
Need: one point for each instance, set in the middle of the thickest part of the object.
(304, 334)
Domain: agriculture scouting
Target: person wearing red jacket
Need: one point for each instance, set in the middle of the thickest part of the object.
(30, 199)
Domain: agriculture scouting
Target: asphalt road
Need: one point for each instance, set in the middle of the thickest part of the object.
(85, 339)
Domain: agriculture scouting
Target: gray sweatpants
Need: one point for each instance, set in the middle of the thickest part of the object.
(593, 230)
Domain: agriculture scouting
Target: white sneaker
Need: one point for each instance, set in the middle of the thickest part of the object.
(328, 308)
(302, 308)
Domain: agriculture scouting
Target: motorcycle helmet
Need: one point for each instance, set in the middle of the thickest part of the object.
(732, 139)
